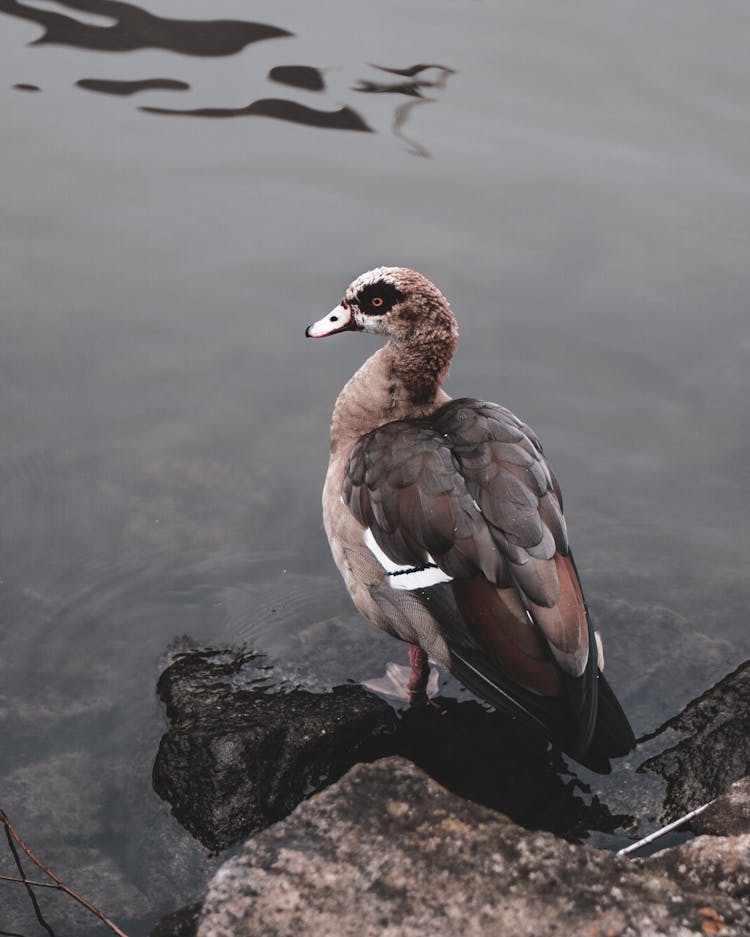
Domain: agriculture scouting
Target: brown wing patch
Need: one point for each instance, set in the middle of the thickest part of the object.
(497, 620)
(470, 487)
(565, 625)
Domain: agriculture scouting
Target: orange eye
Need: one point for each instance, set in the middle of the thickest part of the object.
(377, 302)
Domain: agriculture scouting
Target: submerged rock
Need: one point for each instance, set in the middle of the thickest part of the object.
(714, 749)
(182, 923)
(386, 850)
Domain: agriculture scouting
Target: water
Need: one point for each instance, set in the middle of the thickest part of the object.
(576, 181)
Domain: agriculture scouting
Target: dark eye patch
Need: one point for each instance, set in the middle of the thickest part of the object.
(380, 290)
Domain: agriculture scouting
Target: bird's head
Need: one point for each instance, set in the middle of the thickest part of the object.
(392, 301)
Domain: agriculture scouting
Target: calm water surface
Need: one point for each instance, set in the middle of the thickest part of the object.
(178, 200)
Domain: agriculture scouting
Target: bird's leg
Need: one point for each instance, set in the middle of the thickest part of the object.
(420, 672)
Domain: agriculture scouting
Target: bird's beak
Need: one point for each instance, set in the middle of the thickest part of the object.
(338, 320)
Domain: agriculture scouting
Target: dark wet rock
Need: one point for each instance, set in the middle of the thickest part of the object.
(713, 749)
(237, 758)
(241, 754)
(387, 850)
(183, 923)
(728, 815)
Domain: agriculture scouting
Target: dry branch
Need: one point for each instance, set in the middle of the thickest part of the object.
(11, 832)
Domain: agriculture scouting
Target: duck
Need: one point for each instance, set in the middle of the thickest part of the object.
(446, 523)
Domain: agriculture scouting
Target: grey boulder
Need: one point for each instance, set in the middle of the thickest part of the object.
(387, 851)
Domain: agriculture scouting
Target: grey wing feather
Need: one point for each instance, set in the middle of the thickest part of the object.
(471, 487)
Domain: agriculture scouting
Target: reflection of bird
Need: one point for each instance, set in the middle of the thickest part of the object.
(446, 523)
(436, 78)
(416, 79)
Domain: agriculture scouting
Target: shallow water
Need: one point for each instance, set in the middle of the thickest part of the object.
(575, 179)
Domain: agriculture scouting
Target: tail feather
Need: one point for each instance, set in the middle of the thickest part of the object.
(585, 720)
(611, 736)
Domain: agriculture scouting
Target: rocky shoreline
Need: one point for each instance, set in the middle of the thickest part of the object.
(358, 822)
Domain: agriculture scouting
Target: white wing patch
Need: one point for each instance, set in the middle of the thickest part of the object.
(406, 577)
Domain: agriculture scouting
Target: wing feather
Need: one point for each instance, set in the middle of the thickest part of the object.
(469, 489)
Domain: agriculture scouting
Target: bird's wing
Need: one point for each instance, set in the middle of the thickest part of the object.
(465, 496)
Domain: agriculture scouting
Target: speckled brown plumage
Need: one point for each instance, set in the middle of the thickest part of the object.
(446, 522)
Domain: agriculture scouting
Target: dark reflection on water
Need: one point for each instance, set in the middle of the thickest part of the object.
(124, 88)
(136, 28)
(131, 27)
(414, 85)
(342, 119)
(298, 76)
(22, 86)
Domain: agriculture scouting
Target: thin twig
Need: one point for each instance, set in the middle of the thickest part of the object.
(10, 831)
(660, 832)
(28, 881)
(32, 896)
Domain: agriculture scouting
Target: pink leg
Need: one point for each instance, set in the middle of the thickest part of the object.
(420, 672)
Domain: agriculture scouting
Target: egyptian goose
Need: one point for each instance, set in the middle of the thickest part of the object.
(446, 523)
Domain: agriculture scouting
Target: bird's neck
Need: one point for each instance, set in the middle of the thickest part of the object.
(398, 381)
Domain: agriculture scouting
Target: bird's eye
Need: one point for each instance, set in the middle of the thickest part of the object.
(377, 302)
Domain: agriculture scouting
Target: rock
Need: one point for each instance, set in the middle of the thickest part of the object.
(58, 811)
(240, 754)
(182, 923)
(727, 816)
(714, 750)
(388, 851)
(238, 757)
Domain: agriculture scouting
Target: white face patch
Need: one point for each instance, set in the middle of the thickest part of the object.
(372, 324)
(388, 274)
(405, 577)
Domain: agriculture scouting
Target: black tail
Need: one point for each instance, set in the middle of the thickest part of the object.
(586, 721)
(613, 737)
